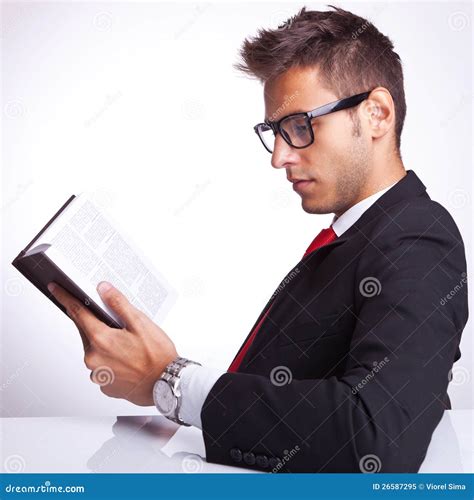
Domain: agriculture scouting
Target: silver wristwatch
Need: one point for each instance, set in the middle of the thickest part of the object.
(166, 391)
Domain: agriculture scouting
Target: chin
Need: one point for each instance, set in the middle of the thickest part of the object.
(314, 207)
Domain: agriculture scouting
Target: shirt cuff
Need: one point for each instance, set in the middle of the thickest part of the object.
(195, 384)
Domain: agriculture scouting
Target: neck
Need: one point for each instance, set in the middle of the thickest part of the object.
(381, 179)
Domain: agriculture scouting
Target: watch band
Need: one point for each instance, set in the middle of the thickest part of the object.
(172, 376)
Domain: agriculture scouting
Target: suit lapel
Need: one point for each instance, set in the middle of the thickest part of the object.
(280, 303)
(407, 188)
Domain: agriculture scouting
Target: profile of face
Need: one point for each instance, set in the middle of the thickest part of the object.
(339, 164)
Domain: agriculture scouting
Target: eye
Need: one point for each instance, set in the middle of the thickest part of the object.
(300, 130)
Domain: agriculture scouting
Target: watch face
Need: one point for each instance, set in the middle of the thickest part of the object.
(165, 400)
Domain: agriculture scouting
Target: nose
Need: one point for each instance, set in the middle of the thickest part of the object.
(283, 153)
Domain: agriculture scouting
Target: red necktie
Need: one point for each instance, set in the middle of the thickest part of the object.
(323, 238)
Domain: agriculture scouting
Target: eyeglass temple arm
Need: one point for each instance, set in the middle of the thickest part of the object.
(332, 107)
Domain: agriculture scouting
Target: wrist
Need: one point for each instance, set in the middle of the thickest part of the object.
(167, 391)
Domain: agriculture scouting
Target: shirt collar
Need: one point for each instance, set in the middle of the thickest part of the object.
(342, 223)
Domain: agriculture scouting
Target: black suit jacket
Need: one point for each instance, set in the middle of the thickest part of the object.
(349, 372)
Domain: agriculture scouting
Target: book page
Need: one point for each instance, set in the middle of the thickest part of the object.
(88, 247)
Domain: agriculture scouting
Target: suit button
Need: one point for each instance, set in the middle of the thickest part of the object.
(249, 458)
(274, 462)
(236, 455)
(262, 461)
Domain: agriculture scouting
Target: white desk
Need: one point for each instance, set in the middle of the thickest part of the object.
(154, 444)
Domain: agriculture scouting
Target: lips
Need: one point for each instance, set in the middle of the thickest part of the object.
(301, 185)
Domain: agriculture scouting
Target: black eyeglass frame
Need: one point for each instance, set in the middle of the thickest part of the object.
(326, 109)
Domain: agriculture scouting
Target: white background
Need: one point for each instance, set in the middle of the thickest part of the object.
(140, 101)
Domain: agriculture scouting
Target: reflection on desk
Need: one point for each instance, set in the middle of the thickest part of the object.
(154, 444)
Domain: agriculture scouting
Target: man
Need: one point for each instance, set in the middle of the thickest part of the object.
(347, 367)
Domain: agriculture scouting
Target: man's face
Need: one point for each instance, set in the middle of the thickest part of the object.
(338, 163)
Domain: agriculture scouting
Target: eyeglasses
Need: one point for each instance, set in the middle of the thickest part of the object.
(296, 129)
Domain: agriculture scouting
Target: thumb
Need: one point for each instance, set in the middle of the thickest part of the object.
(117, 301)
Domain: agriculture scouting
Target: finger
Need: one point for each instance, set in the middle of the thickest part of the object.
(116, 300)
(81, 315)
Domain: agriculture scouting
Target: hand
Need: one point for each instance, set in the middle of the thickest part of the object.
(124, 362)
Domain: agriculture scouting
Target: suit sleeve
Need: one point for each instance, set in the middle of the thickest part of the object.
(380, 415)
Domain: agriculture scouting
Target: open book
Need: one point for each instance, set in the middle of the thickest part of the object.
(81, 246)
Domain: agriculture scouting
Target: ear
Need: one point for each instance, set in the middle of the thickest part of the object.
(378, 112)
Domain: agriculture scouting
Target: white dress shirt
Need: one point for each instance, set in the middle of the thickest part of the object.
(197, 381)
